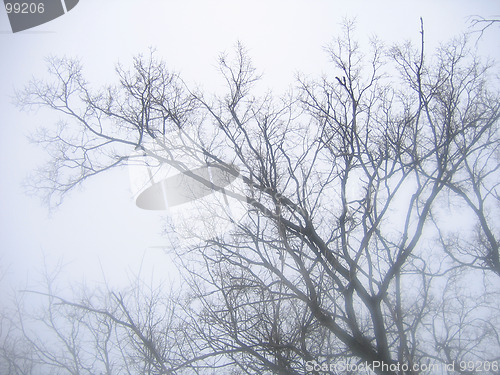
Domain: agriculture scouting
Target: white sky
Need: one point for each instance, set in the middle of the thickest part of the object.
(99, 229)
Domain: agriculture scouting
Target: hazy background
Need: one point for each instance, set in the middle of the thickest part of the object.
(98, 232)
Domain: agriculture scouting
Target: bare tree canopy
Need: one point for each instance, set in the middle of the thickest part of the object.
(371, 227)
(480, 24)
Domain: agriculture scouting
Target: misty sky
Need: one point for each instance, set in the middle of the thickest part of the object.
(98, 231)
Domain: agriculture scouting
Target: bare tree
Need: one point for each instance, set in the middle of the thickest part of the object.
(480, 24)
(348, 249)
(135, 331)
